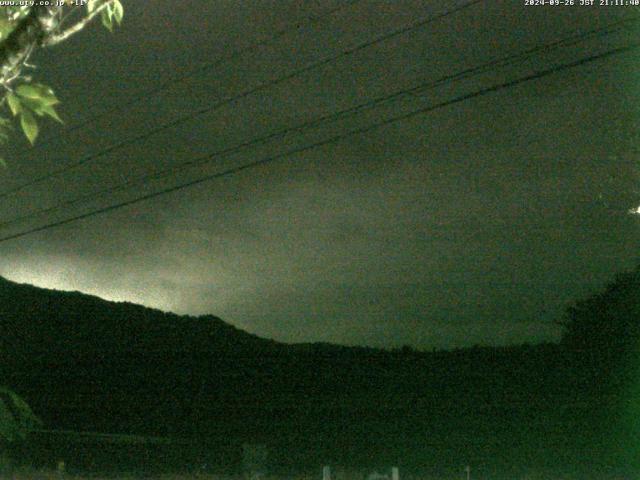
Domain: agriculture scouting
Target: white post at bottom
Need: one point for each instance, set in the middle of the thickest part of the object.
(468, 470)
(326, 472)
(395, 473)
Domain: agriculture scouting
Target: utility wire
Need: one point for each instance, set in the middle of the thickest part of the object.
(246, 93)
(168, 84)
(421, 88)
(321, 143)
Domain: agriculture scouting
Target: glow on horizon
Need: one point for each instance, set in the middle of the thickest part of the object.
(66, 281)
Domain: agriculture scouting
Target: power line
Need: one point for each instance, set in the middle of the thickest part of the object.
(467, 73)
(321, 143)
(206, 158)
(167, 84)
(246, 93)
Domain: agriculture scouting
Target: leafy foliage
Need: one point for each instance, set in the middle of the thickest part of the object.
(29, 101)
(26, 100)
(112, 12)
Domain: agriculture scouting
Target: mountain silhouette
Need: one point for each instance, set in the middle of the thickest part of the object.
(86, 364)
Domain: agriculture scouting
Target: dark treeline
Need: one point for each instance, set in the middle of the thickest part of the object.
(86, 364)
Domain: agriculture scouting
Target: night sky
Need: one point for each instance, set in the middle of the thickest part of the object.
(477, 223)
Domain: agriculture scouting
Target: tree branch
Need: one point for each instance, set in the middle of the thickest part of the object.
(30, 33)
(77, 27)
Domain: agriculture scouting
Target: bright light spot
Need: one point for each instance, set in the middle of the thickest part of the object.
(635, 211)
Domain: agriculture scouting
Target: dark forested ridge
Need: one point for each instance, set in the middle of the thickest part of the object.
(87, 364)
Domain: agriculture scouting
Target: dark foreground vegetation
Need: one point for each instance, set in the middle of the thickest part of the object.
(567, 410)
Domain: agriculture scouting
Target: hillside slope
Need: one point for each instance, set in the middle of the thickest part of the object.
(84, 363)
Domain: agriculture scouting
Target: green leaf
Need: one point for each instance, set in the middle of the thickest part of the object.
(118, 11)
(14, 103)
(31, 104)
(51, 112)
(37, 91)
(3, 163)
(28, 91)
(37, 98)
(29, 125)
(106, 16)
